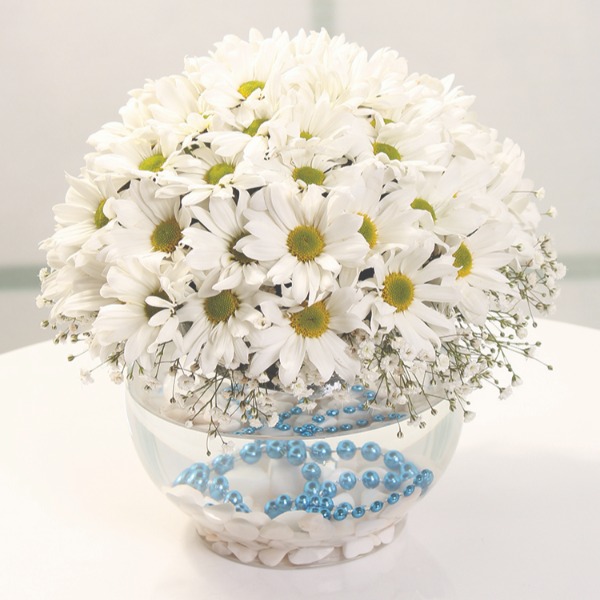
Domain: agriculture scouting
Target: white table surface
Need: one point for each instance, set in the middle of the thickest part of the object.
(517, 515)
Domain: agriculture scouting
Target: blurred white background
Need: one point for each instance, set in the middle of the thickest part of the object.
(67, 65)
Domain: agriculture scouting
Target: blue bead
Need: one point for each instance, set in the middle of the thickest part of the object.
(285, 415)
(196, 479)
(312, 487)
(362, 422)
(328, 489)
(327, 503)
(346, 505)
(234, 497)
(357, 388)
(370, 479)
(296, 452)
(409, 470)
(320, 451)
(392, 481)
(332, 412)
(358, 512)
(346, 427)
(370, 394)
(296, 410)
(218, 487)
(315, 502)
(376, 506)
(340, 513)
(301, 502)
(371, 451)
(346, 449)
(362, 407)
(284, 502)
(313, 509)
(331, 429)
(427, 477)
(393, 459)
(347, 480)
(242, 508)
(276, 449)
(418, 480)
(222, 463)
(393, 498)
(409, 490)
(318, 418)
(326, 513)
(379, 418)
(251, 453)
(284, 427)
(271, 509)
(349, 409)
(311, 471)
(393, 416)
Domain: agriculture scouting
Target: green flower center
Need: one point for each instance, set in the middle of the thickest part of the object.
(387, 149)
(100, 219)
(309, 175)
(368, 230)
(153, 163)
(252, 129)
(220, 307)
(150, 310)
(305, 242)
(420, 204)
(239, 257)
(398, 291)
(249, 86)
(166, 236)
(463, 261)
(312, 322)
(305, 135)
(217, 172)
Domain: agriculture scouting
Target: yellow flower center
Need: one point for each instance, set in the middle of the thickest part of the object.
(152, 163)
(166, 236)
(252, 129)
(309, 175)
(100, 219)
(305, 242)
(150, 310)
(305, 135)
(463, 261)
(398, 291)
(217, 172)
(239, 257)
(368, 229)
(420, 204)
(312, 322)
(387, 149)
(249, 86)
(220, 307)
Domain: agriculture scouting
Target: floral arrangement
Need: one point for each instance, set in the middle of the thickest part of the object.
(290, 213)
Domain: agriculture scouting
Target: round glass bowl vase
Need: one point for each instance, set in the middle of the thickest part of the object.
(319, 488)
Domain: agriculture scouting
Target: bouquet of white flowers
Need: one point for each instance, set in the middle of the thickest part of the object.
(288, 214)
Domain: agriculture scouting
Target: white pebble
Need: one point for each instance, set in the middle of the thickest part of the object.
(358, 546)
(272, 556)
(243, 553)
(387, 535)
(305, 556)
(276, 531)
(241, 529)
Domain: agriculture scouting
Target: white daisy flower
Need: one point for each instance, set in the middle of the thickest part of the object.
(147, 224)
(479, 259)
(406, 287)
(142, 155)
(221, 320)
(303, 245)
(213, 243)
(81, 218)
(308, 333)
(143, 312)
(202, 173)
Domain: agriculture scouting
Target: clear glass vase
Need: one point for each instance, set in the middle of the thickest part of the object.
(320, 487)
